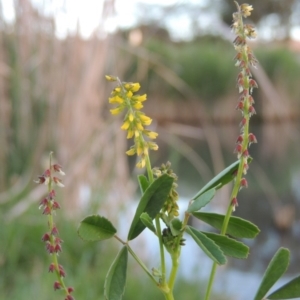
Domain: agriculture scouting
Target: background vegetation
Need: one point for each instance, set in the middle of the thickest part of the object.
(53, 96)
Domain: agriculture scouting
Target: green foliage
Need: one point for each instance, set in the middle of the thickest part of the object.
(96, 228)
(210, 248)
(221, 179)
(202, 200)
(276, 268)
(151, 203)
(115, 281)
(230, 247)
(237, 227)
(290, 290)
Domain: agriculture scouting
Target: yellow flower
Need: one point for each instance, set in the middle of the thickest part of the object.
(140, 98)
(145, 120)
(110, 78)
(125, 125)
(139, 126)
(138, 105)
(116, 111)
(141, 164)
(152, 146)
(136, 87)
(130, 134)
(131, 151)
(116, 99)
(140, 150)
(129, 94)
(150, 134)
(131, 117)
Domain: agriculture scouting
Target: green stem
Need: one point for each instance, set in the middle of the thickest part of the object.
(140, 262)
(175, 265)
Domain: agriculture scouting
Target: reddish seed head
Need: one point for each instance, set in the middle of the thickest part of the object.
(70, 289)
(50, 248)
(41, 180)
(47, 211)
(240, 106)
(52, 268)
(238, 149)
(55, 205)
(244, 182)
(234, 203)
(239, 139)
(69, 297)
(54, 231)
(62, 272)
(57, 248)
(245, 168)
(58, 182)
(251, 110)
(44, 202)
(52, 195)
(46, 237)
(243, 122)
(252, 138)
(56, 285)
(246, 153)
(251, 100)
(57, 168)
(47, 173)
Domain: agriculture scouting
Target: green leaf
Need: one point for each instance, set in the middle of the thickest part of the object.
(276, 268)
(209, 247)
(203, 199)
(237, 227)
(229, 246)
(116, 277)
(221, 179)
(176, 226)
(147, 221)
(143, 183)
(151, 203)
(96, 228)
(290, 290)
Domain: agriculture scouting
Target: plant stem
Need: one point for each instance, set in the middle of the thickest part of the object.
(175, 264)
(140, 262)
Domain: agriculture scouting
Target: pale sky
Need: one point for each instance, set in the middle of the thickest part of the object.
(88, 14)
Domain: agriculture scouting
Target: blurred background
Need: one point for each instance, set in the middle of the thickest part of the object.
(53, 97)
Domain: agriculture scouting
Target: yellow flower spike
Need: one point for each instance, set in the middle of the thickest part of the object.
(152, 146)
(117, 90)
(138, 105)
(136, 133)
(140, 98)
(116, 99)
(139, 126)
(125, 125)
(116, 111)
(130, 134)
(150, 134)
(110, 78)
(135, 87)
(129, 94)
(141, 164)
(131, 117)
(145, 120)
(146, 152)
(131, 151)
(139, 150)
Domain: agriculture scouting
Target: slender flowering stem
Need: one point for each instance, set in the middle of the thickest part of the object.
(51, 238)
(245, 83)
